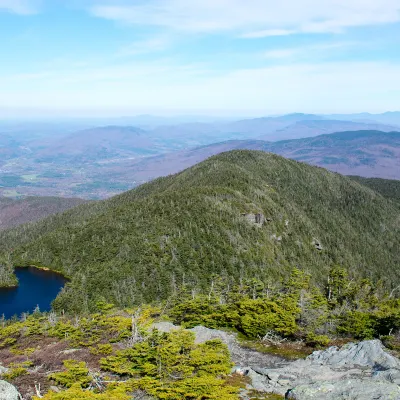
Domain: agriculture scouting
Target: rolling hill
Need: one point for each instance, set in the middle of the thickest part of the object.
(29, 209)
(240, 214)
(310, 128)
(97, 144)
(364, 153)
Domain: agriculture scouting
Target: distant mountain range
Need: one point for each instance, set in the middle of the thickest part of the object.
(62, 159)
(310, 128)
(364, 153)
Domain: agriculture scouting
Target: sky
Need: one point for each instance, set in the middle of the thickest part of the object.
(225, 57)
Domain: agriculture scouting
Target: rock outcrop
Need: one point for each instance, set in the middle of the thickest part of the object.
(359, 371)
(345, 373)
(8, 391)
(359, 389)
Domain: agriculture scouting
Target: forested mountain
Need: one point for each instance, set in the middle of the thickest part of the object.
(241, 214)
(389, 188)
(29, 209)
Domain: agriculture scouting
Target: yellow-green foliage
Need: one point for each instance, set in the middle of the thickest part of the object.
(198, 387)
(103, 349)
(94, 330)
(317, 340)
(15, 373)
(77, 393)
(174, 354)
(351, 307)
(76, 373)
(17, 369)
(171, 366)
(8, 342)
(259, 316)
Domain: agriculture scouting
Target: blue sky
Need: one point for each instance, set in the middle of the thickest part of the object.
(253, 57)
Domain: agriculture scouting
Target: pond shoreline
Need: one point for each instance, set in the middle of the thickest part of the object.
(46, 269)
(37, 287)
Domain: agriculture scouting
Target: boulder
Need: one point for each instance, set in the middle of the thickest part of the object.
(8, 391)
(370, 353)
(362, 362)
(165, 327)
(359, 389)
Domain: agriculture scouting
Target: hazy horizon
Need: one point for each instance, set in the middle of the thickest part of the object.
(195, 115)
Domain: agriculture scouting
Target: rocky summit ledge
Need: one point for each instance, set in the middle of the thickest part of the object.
(361, 371)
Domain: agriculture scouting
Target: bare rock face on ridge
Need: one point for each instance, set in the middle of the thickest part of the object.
(370, 353)
(359, 371)
(357, 389)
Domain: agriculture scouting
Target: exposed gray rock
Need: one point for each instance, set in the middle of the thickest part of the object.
(258, 382)
(366, 361)
(257, 219)
(352, 389)
(70, 351)
(166, 327)
(391, 375)
(3, 370)
(8, 391)
(370, 353)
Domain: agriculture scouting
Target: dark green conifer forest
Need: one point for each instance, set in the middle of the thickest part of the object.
(238, 216)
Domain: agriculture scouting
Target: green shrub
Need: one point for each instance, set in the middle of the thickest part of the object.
(76, 374)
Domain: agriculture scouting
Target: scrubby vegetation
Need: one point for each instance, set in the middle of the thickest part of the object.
(115, 354)
(137, 360)
(179, 231)
(344, 307)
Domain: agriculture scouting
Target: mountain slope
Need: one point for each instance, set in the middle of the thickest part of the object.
(388, 188)
(29, 209)
(183, 229)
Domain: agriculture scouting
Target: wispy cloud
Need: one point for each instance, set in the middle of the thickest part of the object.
(314, 51)
(21, 7)
(267, 33)
(149, 45)
(252, 18)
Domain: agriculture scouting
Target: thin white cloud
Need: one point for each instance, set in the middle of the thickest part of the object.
(21, 7)
(150, 45)
(266, 33)
(312, 51)
(252, 18)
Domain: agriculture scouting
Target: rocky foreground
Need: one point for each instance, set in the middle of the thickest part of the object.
(356, 371)
(362, 371)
